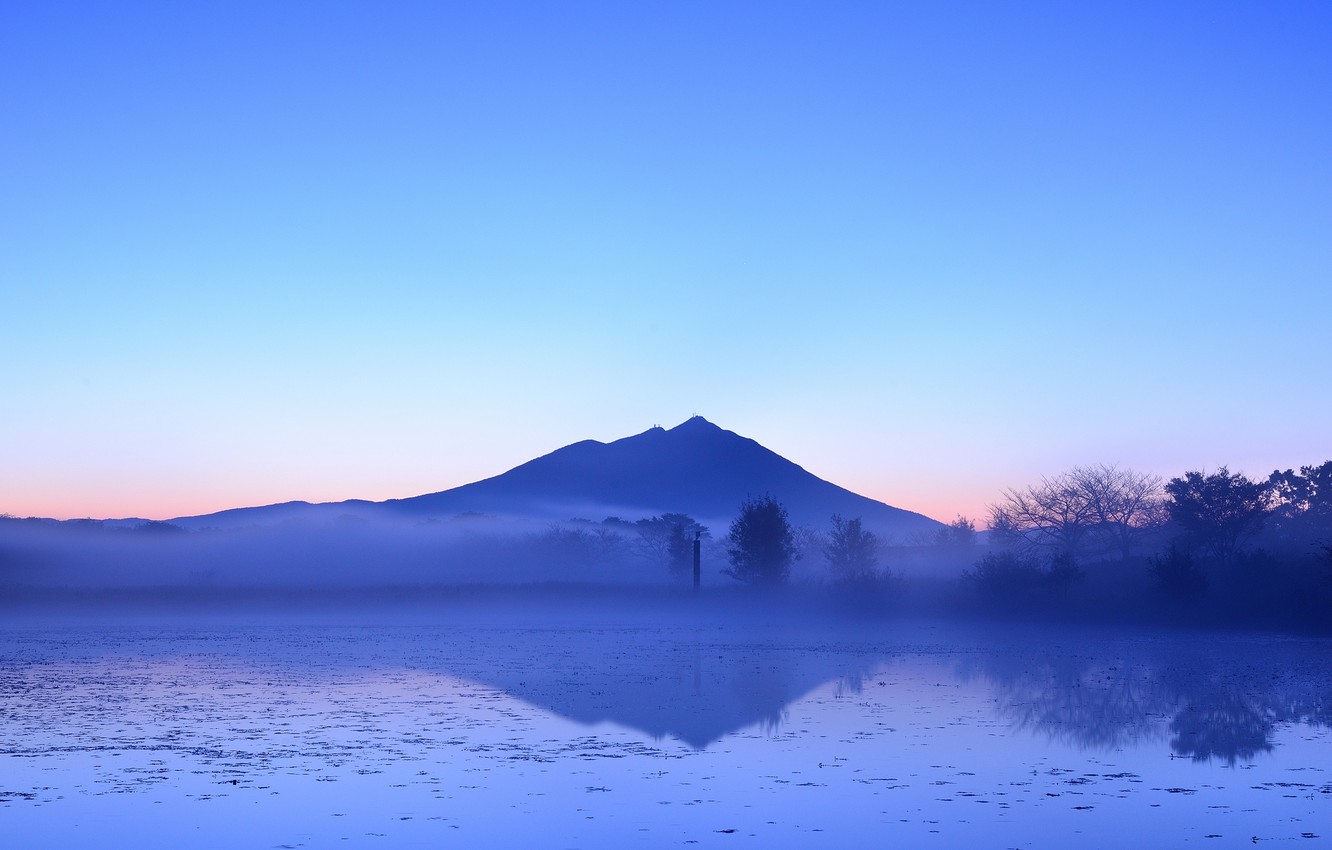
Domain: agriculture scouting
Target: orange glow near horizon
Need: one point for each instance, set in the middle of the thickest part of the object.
(110, 503)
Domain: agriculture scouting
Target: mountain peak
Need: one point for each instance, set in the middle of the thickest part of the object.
(696, 423)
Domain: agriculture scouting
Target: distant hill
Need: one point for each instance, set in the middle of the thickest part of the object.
(695, 468)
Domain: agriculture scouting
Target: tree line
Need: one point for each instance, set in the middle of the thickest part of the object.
(1247, 545)
(1200, 530)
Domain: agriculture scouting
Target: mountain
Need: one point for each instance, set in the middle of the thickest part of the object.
(696, 468)
(696, 692)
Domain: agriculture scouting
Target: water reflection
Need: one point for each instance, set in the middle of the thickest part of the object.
(695, 689)
(1211, 698)
(1228, 727)
(1206, 698)
(240, 736)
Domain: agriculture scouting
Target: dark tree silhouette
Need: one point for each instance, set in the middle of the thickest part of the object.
(959, 534)
(668, 540)
(1300, 507)
(1220, 512)
(852, 552)
(1087, 510)
(761, 544)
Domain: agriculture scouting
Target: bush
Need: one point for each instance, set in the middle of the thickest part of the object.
(1005, 574)
(1177, 575)
(1063, 573)
(1011, 575)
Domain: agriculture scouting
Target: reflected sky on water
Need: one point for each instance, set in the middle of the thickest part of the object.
(781, 736)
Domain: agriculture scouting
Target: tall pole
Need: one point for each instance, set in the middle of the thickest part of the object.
(698, 561)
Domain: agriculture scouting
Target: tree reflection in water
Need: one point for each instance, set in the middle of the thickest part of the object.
(1227, 726)
(1212, 698)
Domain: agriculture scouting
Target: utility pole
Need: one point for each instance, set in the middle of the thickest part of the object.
(698, 560)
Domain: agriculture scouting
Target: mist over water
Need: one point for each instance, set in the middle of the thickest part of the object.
(344, 551)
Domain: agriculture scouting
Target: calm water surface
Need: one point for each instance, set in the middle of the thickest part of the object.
(567, 735)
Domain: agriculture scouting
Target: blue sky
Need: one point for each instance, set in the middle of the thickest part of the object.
(259, 252)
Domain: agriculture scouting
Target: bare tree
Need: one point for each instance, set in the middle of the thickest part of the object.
(1087, 510)
(1125, 505)
(1052, 515)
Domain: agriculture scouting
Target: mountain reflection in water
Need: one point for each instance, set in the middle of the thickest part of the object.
(1211, 697)
(696, 688)
(1208, 697)
(485, 734)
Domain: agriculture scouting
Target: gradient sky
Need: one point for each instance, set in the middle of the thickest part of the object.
(253, 252)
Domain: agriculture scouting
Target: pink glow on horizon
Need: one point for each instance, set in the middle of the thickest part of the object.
(111, 502)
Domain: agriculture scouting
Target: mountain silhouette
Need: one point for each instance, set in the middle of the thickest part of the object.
(696, 468)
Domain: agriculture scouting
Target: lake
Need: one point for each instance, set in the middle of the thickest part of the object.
(606, 730)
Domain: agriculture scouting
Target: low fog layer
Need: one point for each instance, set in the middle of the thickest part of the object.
(351, 551)
(1094, 543)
